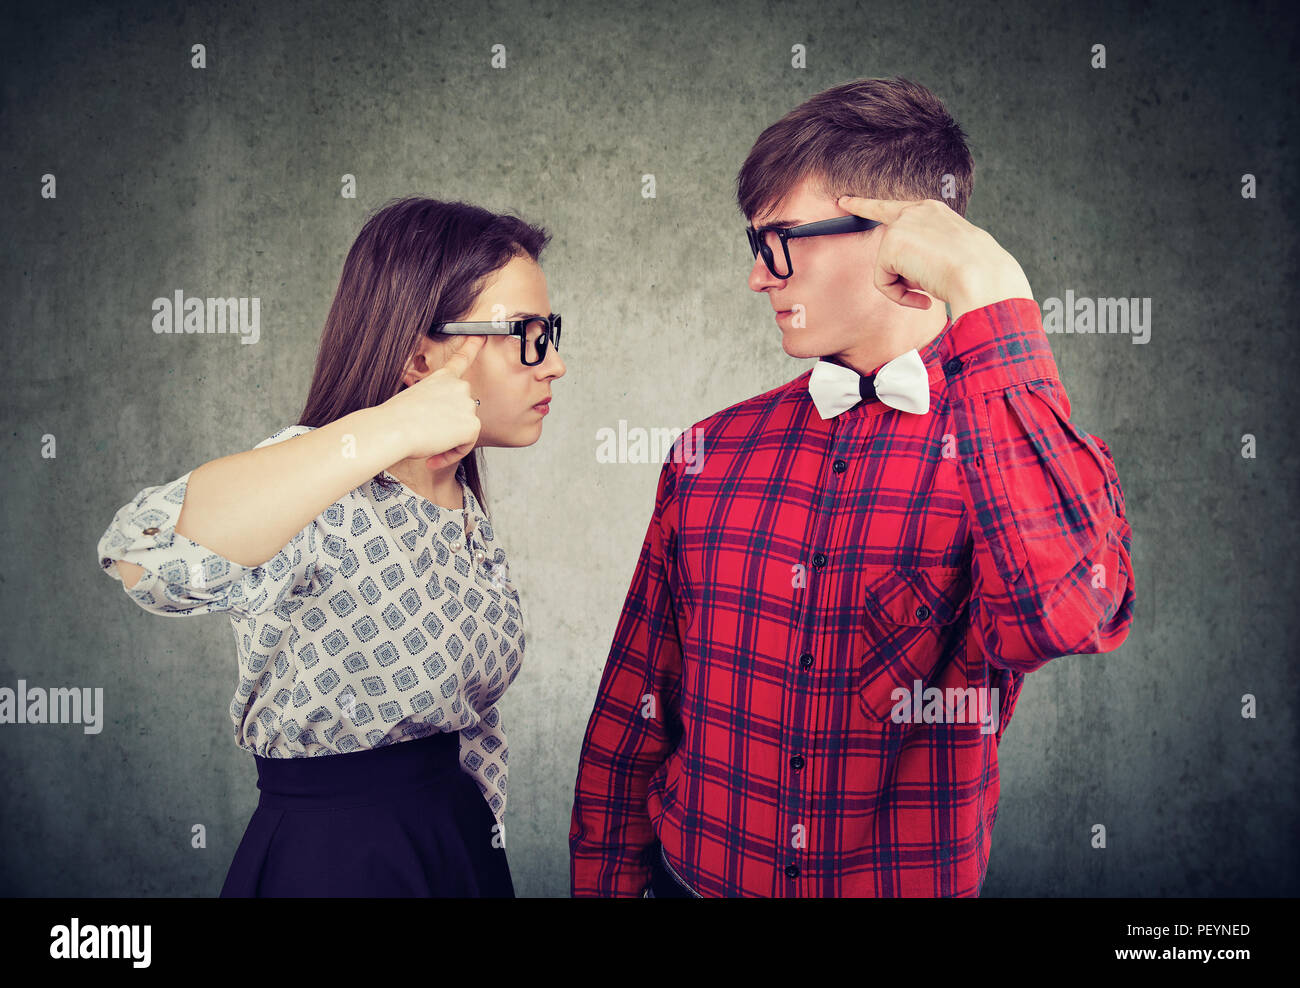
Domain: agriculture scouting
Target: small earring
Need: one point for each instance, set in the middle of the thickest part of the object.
(476, 401)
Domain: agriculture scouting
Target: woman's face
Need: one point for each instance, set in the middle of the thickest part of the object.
(507, 390)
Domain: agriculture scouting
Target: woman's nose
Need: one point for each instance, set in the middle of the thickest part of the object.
(553, 365)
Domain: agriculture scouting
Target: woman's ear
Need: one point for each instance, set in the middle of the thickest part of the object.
(430, 354)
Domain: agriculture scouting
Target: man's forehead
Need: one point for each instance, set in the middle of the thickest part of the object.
(792, 208)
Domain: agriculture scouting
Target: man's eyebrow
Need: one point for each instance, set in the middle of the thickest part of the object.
(524, 315)
(783, 223)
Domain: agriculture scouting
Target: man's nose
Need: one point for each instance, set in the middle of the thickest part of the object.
(761, 278)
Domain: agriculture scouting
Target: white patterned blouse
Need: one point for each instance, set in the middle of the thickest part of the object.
(386, 619)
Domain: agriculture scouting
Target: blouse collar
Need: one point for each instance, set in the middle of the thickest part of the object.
(416, 501)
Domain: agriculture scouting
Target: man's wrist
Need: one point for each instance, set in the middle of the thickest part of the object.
(981, 288)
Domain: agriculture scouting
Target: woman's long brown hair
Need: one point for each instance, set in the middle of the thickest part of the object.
(416, 262)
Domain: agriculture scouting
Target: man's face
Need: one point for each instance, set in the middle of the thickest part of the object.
(843, 315)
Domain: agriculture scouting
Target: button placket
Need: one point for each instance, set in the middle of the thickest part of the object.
(457, 544)
(478, 551)
(487, 569)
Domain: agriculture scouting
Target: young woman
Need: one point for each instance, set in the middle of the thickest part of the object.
(375, 621)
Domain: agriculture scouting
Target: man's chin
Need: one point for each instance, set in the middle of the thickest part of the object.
(803, 349)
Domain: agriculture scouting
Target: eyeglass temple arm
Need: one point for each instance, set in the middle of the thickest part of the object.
(815, 229)
(473, 329)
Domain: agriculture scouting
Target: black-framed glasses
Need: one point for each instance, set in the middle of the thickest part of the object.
(536, 334)
(771, 241)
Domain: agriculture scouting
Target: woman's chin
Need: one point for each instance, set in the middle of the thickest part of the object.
(525, 435)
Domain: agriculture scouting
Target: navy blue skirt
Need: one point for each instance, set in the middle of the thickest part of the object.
(401, 820)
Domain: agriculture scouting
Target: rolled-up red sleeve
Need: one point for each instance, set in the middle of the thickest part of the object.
(1052, 569)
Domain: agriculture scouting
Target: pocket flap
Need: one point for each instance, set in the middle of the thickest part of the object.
(934, 595)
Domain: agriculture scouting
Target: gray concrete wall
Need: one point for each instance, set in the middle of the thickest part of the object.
(1122, 181)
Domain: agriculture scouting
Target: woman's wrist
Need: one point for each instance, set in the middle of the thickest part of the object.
(382, 429)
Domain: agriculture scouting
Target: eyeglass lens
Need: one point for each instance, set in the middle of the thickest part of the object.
(537, 339)
(774, 254)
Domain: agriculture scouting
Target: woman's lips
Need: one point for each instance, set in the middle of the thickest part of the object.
(544, 407)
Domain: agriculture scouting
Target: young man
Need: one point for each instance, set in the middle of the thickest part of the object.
(835, 606)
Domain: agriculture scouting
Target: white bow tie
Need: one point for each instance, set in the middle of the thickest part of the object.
(903, 383)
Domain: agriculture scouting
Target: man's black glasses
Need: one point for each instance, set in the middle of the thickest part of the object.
(770, 241)
(535, 334)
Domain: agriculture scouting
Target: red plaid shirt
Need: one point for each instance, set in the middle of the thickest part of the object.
(788, 589)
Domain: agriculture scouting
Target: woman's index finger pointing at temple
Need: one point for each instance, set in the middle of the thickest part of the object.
(464, 355)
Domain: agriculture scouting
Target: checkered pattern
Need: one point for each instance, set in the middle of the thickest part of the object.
(799, 576)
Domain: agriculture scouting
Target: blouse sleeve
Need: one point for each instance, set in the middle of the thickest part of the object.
(182, 577)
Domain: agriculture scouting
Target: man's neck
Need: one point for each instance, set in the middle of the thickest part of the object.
(912, 329)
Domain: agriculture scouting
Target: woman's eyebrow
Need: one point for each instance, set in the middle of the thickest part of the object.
(524, 315)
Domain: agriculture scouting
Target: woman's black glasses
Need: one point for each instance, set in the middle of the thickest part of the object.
(768, 240)
(535, 334)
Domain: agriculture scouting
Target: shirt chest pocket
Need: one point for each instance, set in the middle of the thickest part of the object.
(913, 631)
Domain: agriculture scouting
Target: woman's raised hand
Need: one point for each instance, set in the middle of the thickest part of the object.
(436, 415)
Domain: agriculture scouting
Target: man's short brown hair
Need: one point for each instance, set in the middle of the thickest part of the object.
(880, 138)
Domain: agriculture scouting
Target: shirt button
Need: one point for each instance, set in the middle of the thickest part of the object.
(456, 546)
(953, 366)
(151, 531)
(922, 613)
(796, 762)
(806, 659)
(839, 466)
(791, 871)
(819, 560)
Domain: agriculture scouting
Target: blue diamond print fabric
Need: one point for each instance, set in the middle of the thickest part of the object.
(386, 619)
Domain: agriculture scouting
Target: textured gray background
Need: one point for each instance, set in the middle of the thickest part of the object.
(1122, 181)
